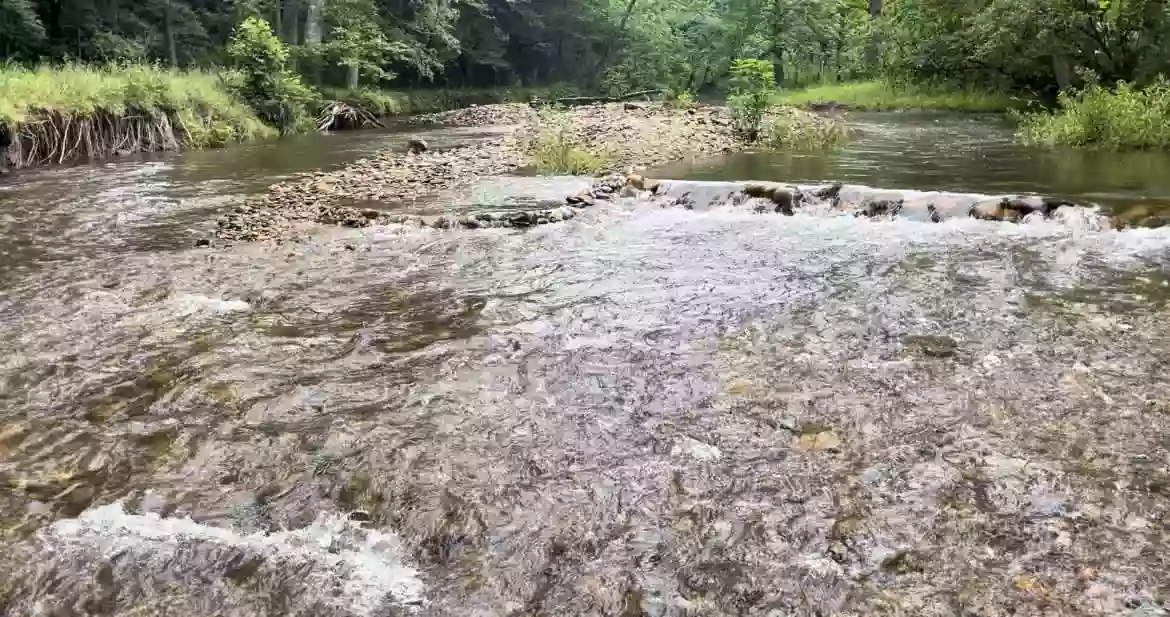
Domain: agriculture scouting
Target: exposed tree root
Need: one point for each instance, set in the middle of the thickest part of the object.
(52, 137)
(339, 116)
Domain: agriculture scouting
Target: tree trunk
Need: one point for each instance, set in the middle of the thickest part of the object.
(313, 15)
(871, 52)
(352, 76)
(169, 32)
(291, 16)
(1062, 71)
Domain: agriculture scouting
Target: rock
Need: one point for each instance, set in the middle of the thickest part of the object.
(880, 207)
(758, 191)
(416, 146)
(634, 107)
(931, 345)
(686, 446)
(822, 440)
(989, 209)
(583, 199)
(784, 200)
(635, 181)
(628, 191)
(202, 243)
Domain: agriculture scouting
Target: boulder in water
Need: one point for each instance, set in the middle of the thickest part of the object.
(416, 146)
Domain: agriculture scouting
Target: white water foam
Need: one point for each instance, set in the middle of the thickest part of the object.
(351, 568)
(190, 304)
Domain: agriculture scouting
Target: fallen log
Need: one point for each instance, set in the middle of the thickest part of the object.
(590, 100)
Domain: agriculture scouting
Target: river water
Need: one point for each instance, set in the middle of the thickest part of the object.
(641, 411)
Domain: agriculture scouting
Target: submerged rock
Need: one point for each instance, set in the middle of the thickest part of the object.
(416, 146)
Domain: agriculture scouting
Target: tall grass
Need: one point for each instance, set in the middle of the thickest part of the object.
(789, 129)
(556, 150)
(207, 113)
(1126, 118)
(882, 96)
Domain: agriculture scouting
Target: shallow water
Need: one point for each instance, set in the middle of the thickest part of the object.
(642, 411)
(949, 152)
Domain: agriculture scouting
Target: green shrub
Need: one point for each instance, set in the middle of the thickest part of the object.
(1120, 119)
(277, 94)
(680, 100)
(556, 150)
(752, 87)
(793, 129)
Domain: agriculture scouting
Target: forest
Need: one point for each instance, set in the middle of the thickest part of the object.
(1034, 47)
(211, 72)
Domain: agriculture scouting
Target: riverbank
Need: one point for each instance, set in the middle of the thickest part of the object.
(1123, 118)
(53, 115)
(373, 190)
(884, 96)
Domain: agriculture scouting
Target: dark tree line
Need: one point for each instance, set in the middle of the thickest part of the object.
(1036, 45)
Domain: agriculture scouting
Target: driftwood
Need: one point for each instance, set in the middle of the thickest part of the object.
(336, 116)
(589, 100)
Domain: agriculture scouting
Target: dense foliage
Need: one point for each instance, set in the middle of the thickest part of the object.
(620, 45)
(905, 53)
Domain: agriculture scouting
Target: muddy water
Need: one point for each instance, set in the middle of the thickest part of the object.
(642, 411)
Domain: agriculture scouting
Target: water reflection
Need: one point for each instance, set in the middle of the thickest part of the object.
(972, 153)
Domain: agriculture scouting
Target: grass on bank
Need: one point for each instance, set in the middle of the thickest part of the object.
(208, 114)
(555, 150)
(1125, 118)
(791, 129)
(884, 96)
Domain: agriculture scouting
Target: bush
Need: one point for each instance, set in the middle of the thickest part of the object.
(752, 87)
(1121, 119)
(680, 100)
(556, 150)
(794, 129)
(277, 94)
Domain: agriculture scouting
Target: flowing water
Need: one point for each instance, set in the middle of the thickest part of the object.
(641, 411)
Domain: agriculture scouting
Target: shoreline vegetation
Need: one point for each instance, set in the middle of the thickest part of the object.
(54, 115)
(887, 96)
(239, 71)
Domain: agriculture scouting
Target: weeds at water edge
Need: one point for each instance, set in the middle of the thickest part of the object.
(1126, 118)
(885, 96)
(556, 149)
(793, 129)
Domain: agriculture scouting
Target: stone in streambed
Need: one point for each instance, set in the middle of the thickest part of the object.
(880, 207)
(582, 199)
(416, 146)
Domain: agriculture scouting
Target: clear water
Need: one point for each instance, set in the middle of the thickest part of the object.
(642, 411)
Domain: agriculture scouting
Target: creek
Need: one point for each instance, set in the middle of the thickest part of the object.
(640, 411)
